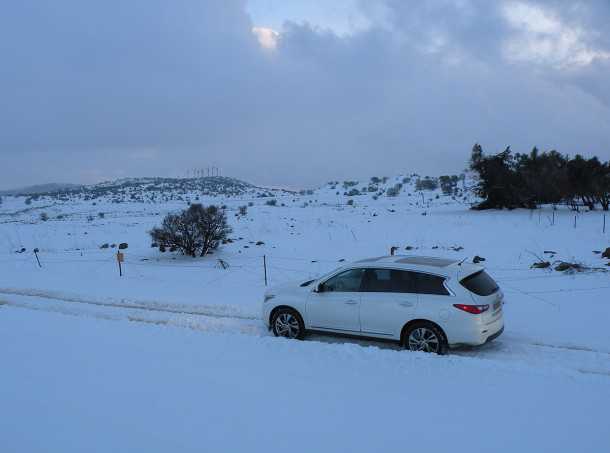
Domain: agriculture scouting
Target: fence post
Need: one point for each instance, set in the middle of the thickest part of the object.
(553, 217)
(120, 257)
(36, 254)
(265, 267)
(574, 220)
(604, 229)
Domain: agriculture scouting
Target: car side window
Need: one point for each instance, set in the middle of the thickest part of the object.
(377, 281)
(404, 282)
(348, 281)
(431, 284)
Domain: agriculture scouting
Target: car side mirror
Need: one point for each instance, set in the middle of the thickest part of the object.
(319, 288)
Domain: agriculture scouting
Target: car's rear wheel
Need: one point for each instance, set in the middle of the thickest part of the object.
(288, 323)
(425, 337)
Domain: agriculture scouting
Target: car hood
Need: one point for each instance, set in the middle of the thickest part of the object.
(291, 286)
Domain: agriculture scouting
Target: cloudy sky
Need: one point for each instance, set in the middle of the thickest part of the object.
(295, 92)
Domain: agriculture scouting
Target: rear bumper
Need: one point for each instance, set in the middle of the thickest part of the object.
(477, 333)
(495, 335)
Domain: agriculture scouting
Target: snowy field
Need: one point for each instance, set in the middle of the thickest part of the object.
(172, 356)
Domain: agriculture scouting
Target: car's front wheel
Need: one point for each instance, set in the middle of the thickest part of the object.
(426, 337)
(288, 323)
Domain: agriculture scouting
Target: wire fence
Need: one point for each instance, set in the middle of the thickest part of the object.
(275, 267)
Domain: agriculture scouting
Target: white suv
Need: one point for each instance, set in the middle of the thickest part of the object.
(427, 304)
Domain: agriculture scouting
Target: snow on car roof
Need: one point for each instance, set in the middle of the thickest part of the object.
(426, 261)
(370, 260)
(416, 260)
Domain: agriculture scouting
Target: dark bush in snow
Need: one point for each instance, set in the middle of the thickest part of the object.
(104, 246)
(123, 245)
(243, 210)
(272, 202)
(541, 265)
(426, 184)
(394, 191)
(195, 231)
(564, 266)
(44, 216)
(348, 184)
(449, 184)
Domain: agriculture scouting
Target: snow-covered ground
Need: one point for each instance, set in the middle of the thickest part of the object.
(172, 356)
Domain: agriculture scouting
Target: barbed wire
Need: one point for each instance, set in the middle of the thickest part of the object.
(248, 264)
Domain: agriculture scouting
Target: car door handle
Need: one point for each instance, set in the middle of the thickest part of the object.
(405, 304)
(351, 302)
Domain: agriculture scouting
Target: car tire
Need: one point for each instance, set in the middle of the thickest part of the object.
(288, 323)
(426, 337)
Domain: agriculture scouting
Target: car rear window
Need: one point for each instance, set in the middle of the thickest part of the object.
(431, 284)
(480, 283)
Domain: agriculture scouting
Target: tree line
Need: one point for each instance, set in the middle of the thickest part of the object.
(507, 180)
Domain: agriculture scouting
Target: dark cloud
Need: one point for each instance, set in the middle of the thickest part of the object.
(94, 90)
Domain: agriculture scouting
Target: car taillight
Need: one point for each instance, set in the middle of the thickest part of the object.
(474, 309)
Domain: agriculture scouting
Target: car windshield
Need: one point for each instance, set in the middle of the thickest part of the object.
(480, 283)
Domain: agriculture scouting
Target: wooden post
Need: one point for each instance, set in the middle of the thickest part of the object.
(604, 229)
(553, 217)
(36, 254)
(265, 267)
(574, 220)
(120, 257)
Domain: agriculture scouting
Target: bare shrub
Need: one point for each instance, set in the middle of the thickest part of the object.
(194, 231)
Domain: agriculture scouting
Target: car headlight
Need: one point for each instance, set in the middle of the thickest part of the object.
(268, 297)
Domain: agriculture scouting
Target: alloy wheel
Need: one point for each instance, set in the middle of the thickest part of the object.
(423, 339)
(287, 325)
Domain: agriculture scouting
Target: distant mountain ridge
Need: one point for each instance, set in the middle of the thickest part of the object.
(42, 188)
(147, 189)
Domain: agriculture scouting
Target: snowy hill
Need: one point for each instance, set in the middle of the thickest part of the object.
(41, 189)
(147, 189)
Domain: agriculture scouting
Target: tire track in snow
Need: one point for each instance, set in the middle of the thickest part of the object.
(200, 320)
(111, 313)
(205, 324)
(210, 311)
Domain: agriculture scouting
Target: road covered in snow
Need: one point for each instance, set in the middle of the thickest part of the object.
(81, 383)
(172, 356)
